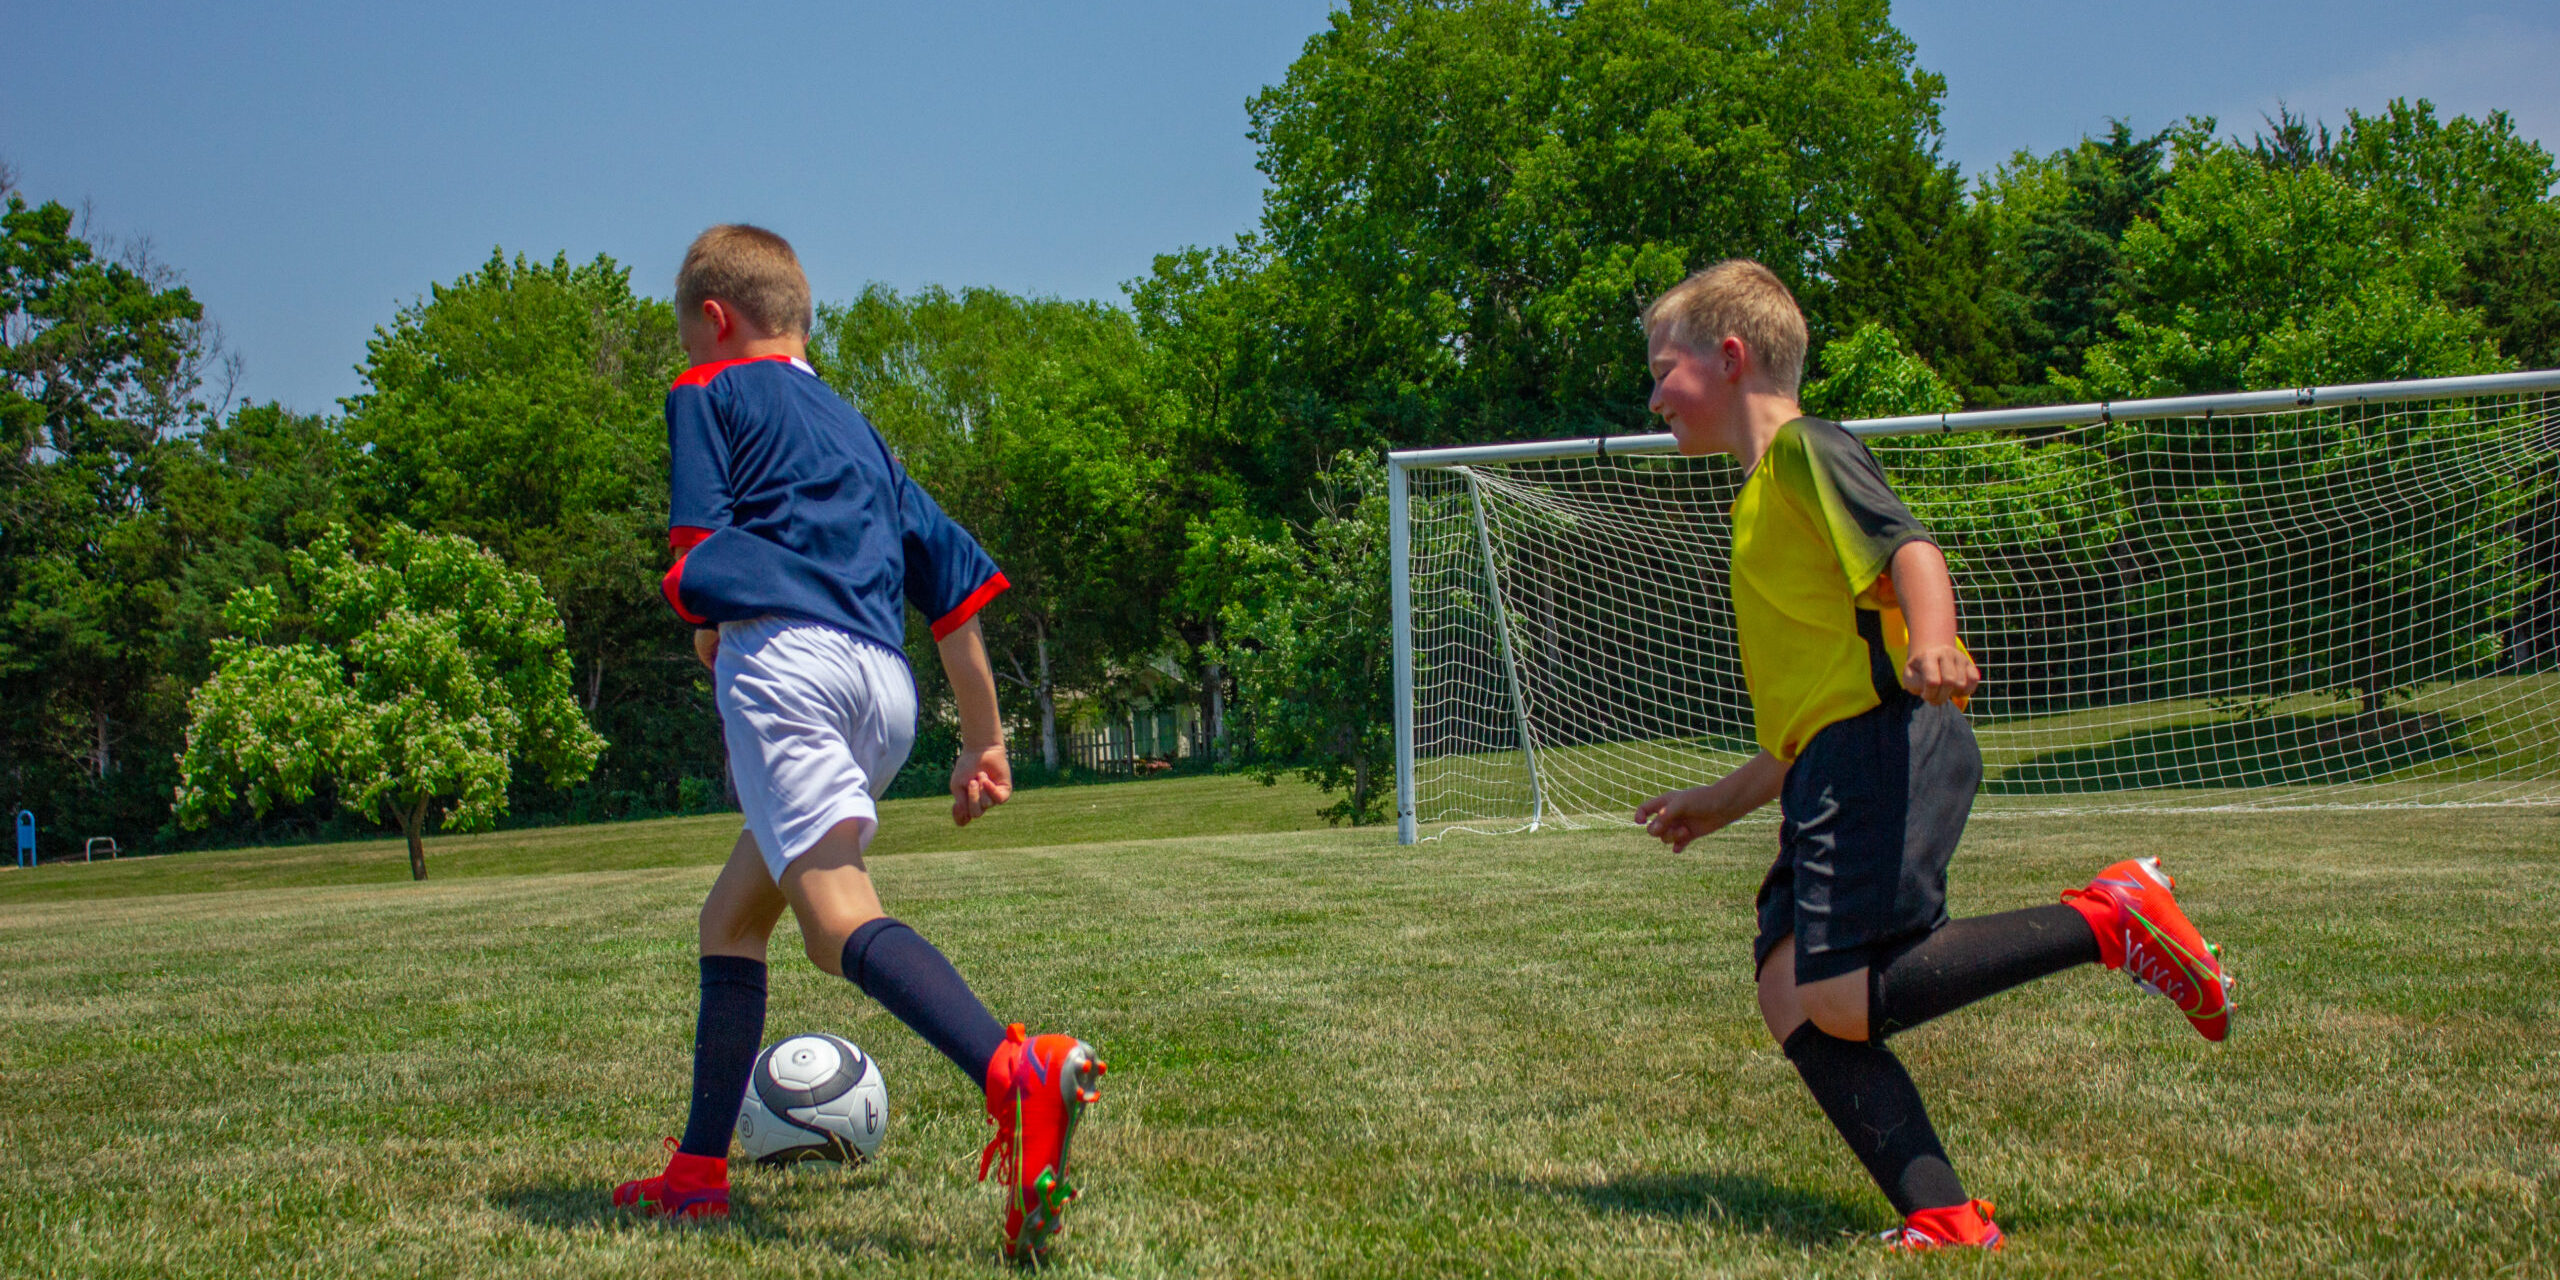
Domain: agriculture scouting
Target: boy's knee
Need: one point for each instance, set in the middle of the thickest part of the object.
(724, 930)
(1839, 1013)
(825, 948)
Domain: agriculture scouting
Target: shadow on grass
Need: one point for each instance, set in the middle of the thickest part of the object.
(580, 1206)
(2271, 751)
(1745, 1201)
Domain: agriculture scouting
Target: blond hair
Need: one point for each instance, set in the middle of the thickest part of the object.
(751, 269)
(1735, 298)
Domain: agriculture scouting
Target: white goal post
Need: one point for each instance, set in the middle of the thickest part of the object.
(2322, 597)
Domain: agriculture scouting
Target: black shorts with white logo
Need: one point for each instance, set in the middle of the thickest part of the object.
(1873, 809)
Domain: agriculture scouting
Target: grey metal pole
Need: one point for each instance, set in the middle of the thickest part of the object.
(1400, 607)
(1502, 637)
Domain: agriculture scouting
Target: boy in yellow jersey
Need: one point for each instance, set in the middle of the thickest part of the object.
(1858, 683)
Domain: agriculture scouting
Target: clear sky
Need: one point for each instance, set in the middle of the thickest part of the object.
(311, 167)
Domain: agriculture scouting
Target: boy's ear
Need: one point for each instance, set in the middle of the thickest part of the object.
(1737, 357)
(717, 316)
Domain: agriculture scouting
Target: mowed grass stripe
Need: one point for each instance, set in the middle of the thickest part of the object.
(1331, 1056)
(1165, 807)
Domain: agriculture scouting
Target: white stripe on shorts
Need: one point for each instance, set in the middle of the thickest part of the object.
(816, 721)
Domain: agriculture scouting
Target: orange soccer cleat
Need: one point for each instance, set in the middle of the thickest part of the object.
(2141, 931)
(1967, 1225)
(1037, 1089)
(692, 1187)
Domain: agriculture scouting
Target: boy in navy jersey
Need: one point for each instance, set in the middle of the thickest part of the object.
(800, 540)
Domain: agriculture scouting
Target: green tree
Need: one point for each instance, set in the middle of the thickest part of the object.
(2271, 275)
(522, 406)
(2354, 551)
(1309, 642)
(2064, 220)
(1921, 262)
(1201, 314)
(422, 676)
(1469, 204)
(100, 363)
(1034, 423)
(1869, 374)
(2029, 527)
(2472, 183)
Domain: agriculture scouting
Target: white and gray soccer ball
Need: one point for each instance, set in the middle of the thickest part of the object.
(813, 1097)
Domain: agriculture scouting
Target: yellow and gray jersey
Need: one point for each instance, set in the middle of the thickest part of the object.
(1814, 527)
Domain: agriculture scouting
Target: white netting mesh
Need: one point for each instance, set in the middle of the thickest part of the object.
(2308, 608)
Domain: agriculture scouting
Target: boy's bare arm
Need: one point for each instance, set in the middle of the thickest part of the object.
(1679, 817)
(1936, 668)
(981, 778)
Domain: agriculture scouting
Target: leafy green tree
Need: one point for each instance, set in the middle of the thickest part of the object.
(2029, 527)
(1309, 642)
(2259, 275)
(1469, 204)
(2348, 552)
(1921, 263)
(422, 676)
(1033, 422)
(1869, 374)
(2473, 183)
(2512, 270)
(2068, 219)
(100, 363)
(521, 406)
(1201, 315)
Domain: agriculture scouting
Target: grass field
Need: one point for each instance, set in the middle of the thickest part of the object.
(2485, 740)
(1533, 1055)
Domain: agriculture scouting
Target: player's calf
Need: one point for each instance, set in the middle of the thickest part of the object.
(2141, 931)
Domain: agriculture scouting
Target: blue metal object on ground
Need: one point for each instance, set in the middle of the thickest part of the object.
(26, 838)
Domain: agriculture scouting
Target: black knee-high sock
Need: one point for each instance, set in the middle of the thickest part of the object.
(1870, 1099)
(726, 1035)
(1972, 958)
(894, 965)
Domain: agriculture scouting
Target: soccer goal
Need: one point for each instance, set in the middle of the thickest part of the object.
(2313, 598)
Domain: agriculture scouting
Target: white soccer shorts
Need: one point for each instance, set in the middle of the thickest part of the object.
(817, 721)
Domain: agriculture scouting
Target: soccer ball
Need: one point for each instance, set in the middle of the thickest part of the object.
(813, 1097)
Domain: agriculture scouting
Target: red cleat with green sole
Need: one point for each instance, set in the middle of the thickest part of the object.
(1037, 1089)
(2142, 932)
(692, 1187)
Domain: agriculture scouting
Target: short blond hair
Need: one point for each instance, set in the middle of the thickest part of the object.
(751, 269)
(1735, 298)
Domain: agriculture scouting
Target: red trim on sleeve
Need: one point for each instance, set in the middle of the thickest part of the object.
(958, 618)
(672, 586)
(702, 374)
(684, 537)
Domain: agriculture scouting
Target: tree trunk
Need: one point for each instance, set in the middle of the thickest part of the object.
(412, 824)
(1359, 787)
(1213, 730)
(1048, 697)
(102, 758)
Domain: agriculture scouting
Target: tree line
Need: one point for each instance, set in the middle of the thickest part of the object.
(1467, 206)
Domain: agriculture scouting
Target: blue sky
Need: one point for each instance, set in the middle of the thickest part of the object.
(309, 168)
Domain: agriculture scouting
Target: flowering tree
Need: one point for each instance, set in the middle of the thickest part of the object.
(420, 678)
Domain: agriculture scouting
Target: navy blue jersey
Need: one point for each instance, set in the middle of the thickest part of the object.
(785, 500)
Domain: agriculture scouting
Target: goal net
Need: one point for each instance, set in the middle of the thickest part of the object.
(2341, 597)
